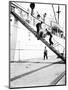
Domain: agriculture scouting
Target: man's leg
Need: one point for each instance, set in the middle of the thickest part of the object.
(37, 33)
(37, 30)
(41, 34)
(44, 56)
(50, 40)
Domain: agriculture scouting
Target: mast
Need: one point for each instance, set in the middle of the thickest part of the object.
(58, 12)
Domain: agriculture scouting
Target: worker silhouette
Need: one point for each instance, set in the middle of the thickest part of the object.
(42, 32)
(45, 53)
(38, 27)
(32, 6)
(50, 38)
(44, 15)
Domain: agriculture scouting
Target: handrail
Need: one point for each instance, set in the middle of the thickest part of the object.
(18, 6)
(28, 13)
(35, 33)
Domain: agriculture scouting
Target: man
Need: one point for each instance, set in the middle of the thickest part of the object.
(44, 15)
(42, 31)
(45, 53)
(38, 26)
(50, 38)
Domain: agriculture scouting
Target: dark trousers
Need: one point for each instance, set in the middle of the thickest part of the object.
(38, 37)
(41, 34)
(50, 40)
(45, 54)
(37, 30)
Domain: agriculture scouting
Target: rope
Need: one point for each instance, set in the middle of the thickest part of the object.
(54, 13)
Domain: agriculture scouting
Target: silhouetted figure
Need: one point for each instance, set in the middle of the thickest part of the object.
(32, 6)
(45, 53)
(50, 38)
(38, 26)
(41, 34)
(43, 31)
(38, 16)
(44, 15)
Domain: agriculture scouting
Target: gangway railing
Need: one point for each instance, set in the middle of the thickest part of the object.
(35, 33)
(18, 6)
(21, 8)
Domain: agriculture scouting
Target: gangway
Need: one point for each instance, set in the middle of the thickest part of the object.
(35, 33)
(22, 9)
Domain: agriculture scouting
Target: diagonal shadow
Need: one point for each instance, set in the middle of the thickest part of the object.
(55, 81)
(22, 75)
(59, 62)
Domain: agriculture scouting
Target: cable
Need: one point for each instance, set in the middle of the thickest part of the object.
(54, 13)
